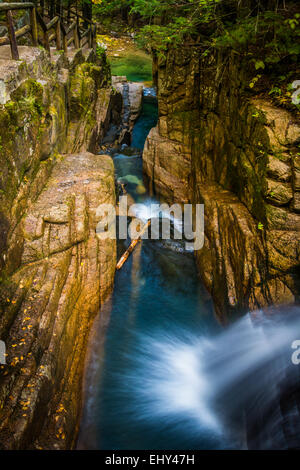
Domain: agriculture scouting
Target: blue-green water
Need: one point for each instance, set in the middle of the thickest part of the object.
(157, 301)
(161, 374)
(147, 120)
(135, 65)
(156, 296)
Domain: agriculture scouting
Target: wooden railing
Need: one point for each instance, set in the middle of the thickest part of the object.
(61, 31)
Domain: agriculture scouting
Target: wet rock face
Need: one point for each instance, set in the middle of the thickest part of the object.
(238, 156)
(49, 304)
(168, 166)
(60, 106)
(55, 272)
(132, 96)
(64, 275)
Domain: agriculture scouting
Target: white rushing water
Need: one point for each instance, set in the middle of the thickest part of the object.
(152, 209)
(212, 382)
(153, 385)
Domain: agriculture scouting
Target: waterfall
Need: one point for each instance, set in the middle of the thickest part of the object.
(163, 374)
(244, 376)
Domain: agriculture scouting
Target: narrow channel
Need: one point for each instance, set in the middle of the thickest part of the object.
(161, 372)
(156, 293)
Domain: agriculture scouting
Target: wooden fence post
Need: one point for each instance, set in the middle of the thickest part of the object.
(58, 36)
(42, 8)
(34, 28)
(12, 36)
(80, 37)
(76, 37)
(45, 31)
(90, 37)
(94, 37)
(64, 38)
(46, 41)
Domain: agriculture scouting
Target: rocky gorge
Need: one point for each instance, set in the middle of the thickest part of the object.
(62, 120)
(238, 154)
(55, 272)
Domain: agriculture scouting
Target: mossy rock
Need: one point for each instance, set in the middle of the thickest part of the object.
(28, 89)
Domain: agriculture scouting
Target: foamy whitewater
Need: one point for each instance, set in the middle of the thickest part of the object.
(161, 373)
(164, 224)
(211, 382)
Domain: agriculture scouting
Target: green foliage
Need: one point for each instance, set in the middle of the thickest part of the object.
(31, 105)
(159, 38)
(275, 90)
(110, 6)
(137, 66)
(254, 81)
(100, 51)
(267, 31)
(259, 64)
(260, 226)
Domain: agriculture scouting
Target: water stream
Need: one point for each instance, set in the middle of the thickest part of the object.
(161, 372)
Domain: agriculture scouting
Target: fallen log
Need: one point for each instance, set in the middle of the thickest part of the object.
(123, 188)
(132, 246)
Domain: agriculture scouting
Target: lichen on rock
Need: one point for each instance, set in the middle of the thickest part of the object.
(55, 272)
(214, 144)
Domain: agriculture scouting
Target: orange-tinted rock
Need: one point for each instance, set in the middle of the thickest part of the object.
(55, 272)
(215, 145)
(66, 273)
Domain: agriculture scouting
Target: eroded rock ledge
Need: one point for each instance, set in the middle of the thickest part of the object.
(62, 105)
(55, 271)
(238, 155)
(52, 299)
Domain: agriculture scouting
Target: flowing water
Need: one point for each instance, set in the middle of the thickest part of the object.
(135, 64)
(162, 373)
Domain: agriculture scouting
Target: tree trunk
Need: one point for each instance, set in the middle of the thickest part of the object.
(132, 246)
